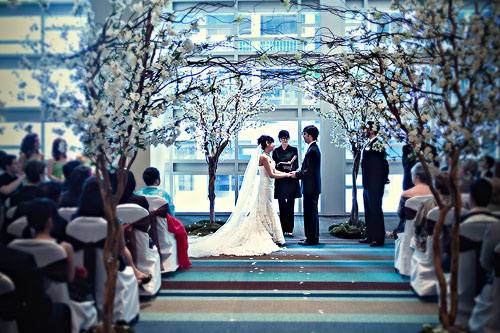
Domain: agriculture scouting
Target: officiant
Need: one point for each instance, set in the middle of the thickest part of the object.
(286, 189)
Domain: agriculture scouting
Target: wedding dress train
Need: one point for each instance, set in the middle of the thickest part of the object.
(253, 228)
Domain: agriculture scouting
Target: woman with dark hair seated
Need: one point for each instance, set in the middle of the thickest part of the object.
(128, 195)
(90, 204)
(421, 187)
(75, 184)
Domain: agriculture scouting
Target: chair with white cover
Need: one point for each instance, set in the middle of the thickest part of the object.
(402, 246)
(144, 252)
(9, 214)
(485, 316)
(471, 276)
(51, 259)
(87, 235)
(7, 304)
(493, 324)
(423, 274)
(19, 228)
(166, 239)
(67, 213)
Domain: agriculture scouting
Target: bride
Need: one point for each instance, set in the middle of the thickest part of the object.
(253, 228)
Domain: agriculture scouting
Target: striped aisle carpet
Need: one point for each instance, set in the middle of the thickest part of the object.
(339, 286)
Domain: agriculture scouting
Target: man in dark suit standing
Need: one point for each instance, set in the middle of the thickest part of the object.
(310, 174)
(375, 174)
(286, 189)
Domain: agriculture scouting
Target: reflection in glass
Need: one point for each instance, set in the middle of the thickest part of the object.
(191, 193)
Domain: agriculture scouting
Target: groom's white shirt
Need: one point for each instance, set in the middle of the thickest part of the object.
(310, 143)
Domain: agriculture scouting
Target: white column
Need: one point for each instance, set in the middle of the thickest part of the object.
(332, 159)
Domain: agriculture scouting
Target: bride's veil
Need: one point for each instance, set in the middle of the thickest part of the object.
(244, 206)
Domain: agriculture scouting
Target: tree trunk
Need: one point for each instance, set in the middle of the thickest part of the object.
(354, 219)
(113, 237)
(456, 201)
(447, 315)
(443, 292)
(110, 257)
(212, 171)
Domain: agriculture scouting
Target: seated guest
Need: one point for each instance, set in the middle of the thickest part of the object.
(422, 230)
(40, 218)
(128, 195)
(35, 174)
(467, 174)
(480, 197)
(75, 184)
(421, 187)
(33, 303)
(151, 177)
(90, 204)
(474, 224)
(494, 205)
(50, 190)
(56, 163)
(486, 166)
(11, 179)
(67, 169)
(30, 150)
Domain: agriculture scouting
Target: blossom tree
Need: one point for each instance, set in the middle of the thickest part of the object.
(225, 106)
(434, 68)
(349, 113)
(128, 72)
(438, 85)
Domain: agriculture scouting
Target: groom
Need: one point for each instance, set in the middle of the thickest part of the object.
(311, 185)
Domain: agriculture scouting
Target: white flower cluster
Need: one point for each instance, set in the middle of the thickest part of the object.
(125, 72)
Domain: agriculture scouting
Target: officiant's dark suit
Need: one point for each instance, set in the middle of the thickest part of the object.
(286, 189)
(310, 174)
(375, 173)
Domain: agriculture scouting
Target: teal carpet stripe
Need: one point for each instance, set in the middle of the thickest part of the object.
(292, 263)
(293, 275)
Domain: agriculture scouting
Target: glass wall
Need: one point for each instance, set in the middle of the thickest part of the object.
(28, 31)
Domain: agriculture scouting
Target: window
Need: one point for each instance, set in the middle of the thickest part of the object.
(245, 25)
(278, 24)
(185, 183)
(194, 199)
(247, 139)
(31, 30)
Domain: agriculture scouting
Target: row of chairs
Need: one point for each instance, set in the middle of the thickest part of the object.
(418, 262)
(87, 235)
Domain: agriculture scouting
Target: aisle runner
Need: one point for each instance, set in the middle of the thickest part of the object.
(339, 286)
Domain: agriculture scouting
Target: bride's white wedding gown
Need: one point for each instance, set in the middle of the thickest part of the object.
(252, 229)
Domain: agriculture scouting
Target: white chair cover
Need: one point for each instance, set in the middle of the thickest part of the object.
(147, 257)
(16, 228)
(493, 323)
(423, 275)
(67, 212)
(7, 286)
(45, 252)
(472, 229)
(92, 230)
(403, 250)
(486, 312)
(168, 244)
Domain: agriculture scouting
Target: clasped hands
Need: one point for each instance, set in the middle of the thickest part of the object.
(292, 174)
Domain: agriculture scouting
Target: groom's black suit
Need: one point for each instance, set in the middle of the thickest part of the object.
(310, 174)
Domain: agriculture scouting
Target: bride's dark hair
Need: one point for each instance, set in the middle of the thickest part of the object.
(263, 140)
